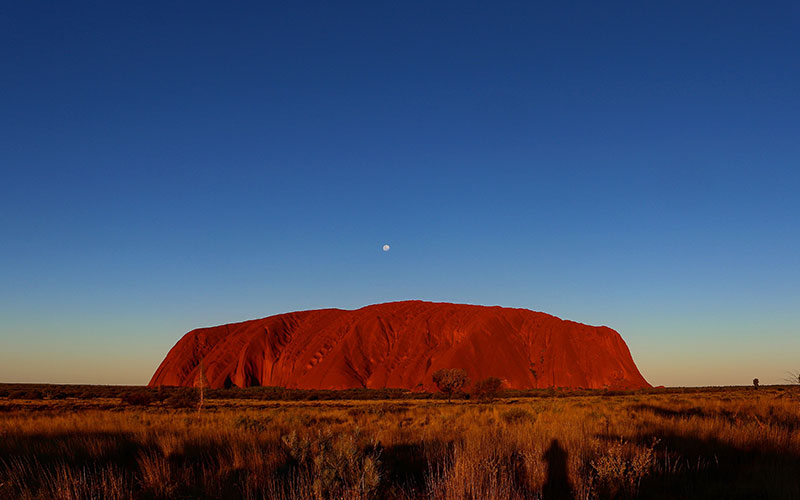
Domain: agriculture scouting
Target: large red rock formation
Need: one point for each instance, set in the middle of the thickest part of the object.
(400, 345)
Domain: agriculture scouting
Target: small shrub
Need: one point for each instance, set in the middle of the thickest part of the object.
(251, 424)
(340, 466)
(517, 416)
(618, 473)
(325, 420)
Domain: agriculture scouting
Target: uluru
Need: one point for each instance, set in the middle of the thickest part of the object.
(401, 345)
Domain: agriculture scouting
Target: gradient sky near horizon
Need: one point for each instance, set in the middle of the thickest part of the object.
(170, 165)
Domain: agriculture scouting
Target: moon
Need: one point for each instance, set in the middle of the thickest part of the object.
(386, 248)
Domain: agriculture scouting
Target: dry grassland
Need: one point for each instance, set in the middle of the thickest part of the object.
(737, 443)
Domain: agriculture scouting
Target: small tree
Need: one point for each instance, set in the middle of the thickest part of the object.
(793, 378)
(201, 382)
(755, 383)
(487, 388)
(450, 380)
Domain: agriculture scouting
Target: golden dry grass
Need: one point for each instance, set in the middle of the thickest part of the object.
(722, 444)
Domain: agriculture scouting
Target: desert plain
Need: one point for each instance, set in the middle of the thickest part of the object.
(104, 442)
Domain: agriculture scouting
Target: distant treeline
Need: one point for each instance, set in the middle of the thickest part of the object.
(180, 396)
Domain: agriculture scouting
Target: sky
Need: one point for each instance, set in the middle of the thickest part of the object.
(171, 165)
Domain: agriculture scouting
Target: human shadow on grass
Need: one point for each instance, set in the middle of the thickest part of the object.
(557, 486)
(405, 464)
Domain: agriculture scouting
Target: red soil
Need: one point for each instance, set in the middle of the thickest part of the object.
(400, 345)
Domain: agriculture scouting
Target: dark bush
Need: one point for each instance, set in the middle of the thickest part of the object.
(517, 416)
(487, 388)
(252, 424)
(26, 394)
(141, 398)
(183, 399)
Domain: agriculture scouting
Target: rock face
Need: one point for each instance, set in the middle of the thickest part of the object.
(401, 345)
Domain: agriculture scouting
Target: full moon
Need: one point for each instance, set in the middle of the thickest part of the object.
(386, 248)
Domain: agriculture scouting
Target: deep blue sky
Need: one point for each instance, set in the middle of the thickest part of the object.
(173, 165)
